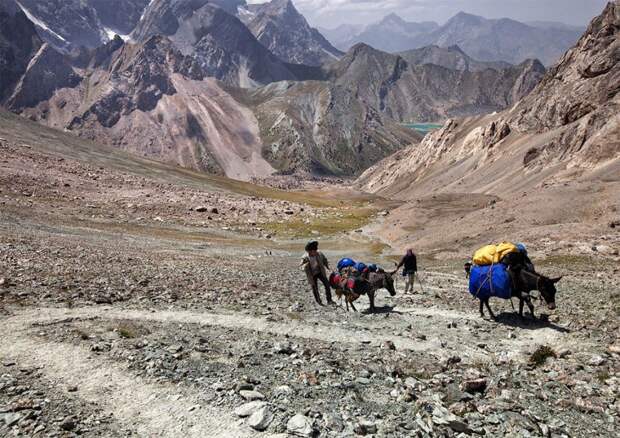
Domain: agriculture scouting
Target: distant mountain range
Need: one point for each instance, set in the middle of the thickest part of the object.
(483, 39)
(235, 89)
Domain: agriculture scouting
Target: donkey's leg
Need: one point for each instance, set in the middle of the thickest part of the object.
(481, 308)
(486, 303)
(353, 307)
(371, 298)
(530, 306)
(521, 302)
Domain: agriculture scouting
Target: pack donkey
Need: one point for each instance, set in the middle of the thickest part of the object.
(524, 282)
(367, 286)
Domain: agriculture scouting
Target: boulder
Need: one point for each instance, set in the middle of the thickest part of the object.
(251, 395)
(247, 409)
(300, 425)
(261, 419)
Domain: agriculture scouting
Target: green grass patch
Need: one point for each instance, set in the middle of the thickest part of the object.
(541, 354)
(328, 224)
(603, 376)
(295, 316)
(126, 332)
(574, 261)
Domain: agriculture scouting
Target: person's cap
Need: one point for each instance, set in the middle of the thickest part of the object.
(312, 245)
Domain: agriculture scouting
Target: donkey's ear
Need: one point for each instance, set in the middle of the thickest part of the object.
(556, 280)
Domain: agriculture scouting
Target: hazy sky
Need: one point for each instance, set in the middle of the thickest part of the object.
(330, 13)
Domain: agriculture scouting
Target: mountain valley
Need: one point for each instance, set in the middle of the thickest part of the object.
(165, 165)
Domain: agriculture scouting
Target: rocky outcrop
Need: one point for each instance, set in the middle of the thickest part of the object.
(47, 72)
(430, 92)
(65, 23)
(18, 44)
(579, 97)
(287, 34)
(71, 24)
(138, 79)
(120, 16)
(317, 128)
(222, 44)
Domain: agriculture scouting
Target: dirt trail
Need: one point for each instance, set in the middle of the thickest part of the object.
(149, 409)
(440, 343)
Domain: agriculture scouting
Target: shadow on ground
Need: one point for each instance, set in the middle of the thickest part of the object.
(528, 323)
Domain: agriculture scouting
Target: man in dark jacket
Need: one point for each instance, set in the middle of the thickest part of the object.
(315, 265)
(410, 264)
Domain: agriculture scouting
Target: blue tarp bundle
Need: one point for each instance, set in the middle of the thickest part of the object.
(346, 263)
(490, 281)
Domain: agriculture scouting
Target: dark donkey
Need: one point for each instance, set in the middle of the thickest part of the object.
(374, 282)
(524, 282)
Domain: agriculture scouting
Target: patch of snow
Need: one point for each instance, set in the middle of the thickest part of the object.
(145, 9)
(39, 23)
(110, 34)
(245, 13)
(330, 53)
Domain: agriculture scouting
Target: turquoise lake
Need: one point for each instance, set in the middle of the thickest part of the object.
(423, 128)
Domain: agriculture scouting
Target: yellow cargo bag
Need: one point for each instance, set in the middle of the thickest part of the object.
(491, 254)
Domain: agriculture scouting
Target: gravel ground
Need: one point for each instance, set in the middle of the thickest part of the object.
(128, 312)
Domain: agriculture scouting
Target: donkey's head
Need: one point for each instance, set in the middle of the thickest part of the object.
(546, 287)
(388, 282)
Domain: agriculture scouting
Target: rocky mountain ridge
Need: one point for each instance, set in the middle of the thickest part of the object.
(286, 33)
(453, 58)
(430, 92)
(221, 43)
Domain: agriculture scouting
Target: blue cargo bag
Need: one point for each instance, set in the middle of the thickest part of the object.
(345, 263)
(490, 281)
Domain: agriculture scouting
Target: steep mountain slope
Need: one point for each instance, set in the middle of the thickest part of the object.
(69, 24)
(287, 34)
(429, 92)
(222, 44)
(391, 34)
(151, 100)
(18, 44)
(452, 58)
(318, 128)
(553, 158)
(501, 40)
(119, 16)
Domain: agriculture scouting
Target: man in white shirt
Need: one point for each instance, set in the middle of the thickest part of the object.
(315, 265)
